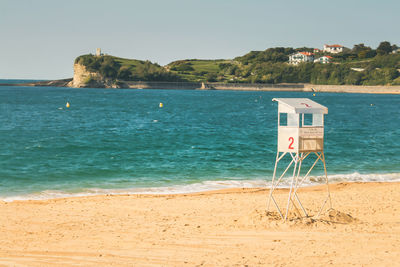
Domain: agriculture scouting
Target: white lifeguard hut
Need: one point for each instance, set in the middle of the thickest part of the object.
(300, 134)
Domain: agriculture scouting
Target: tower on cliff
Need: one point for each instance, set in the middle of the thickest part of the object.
(98, 52)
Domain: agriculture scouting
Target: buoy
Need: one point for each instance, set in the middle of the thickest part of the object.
(67, 105)
(313, 94)
(161, 105)
(372, 105)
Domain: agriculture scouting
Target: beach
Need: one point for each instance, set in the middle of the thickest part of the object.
(217, 228)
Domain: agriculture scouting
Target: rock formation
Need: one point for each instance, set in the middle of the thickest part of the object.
(86, 79)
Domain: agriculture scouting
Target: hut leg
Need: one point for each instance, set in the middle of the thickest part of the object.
(296, 158)
(272, 182)
(298, 184)
(327, 186)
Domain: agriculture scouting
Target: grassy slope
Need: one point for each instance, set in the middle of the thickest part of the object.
(132, 63)
(200, 68)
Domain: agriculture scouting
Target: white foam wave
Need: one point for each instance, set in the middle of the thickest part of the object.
(207, 186)
(358, 177)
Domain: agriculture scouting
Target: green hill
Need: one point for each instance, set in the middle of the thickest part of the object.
(360, 65)
(126, 69)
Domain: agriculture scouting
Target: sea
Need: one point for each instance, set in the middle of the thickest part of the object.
(122, 141)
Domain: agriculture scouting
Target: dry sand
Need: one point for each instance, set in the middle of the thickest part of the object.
(223, 228)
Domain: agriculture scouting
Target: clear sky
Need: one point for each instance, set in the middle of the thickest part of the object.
(39, 39)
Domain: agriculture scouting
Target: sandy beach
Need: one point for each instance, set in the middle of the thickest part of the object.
(220, 228)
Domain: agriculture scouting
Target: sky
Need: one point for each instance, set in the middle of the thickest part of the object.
(39, 39)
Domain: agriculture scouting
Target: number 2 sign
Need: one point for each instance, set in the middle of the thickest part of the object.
(291, 140)
(288, 139)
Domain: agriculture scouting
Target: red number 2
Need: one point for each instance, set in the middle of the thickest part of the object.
(291, 143)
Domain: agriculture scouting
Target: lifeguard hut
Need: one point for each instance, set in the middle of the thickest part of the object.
(300, 134)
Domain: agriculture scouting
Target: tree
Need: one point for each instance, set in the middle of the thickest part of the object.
(211, 77)
(183, 66)
(358, 48)
(384, 48)
(124, 73)
(354, 78)
(363, 51)
(277, 54)
(109, 67)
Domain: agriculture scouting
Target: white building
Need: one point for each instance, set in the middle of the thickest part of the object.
(301, 57)
(98, 52)
(323, 60)
(334, 49)
(396, 51)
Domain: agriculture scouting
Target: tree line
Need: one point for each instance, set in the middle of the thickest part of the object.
(360, 65)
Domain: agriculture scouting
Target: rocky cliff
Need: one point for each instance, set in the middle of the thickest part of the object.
(84, 79)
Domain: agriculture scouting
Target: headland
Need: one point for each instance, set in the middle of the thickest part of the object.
(335, 68)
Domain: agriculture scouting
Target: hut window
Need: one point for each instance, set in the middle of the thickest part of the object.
(318, 120)
(307, 119)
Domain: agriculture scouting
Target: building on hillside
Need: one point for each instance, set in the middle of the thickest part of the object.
(98, 52)
(334, 49)
(358, 69)
(299, 57)
(396, 51)
(323, 60)
(316, 50)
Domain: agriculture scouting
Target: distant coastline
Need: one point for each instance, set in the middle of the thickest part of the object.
(54, 83)
(287, 87)
(336, 69)
(334, 65)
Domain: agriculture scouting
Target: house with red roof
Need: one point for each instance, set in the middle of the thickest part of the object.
(299, 57)
(334, 49)
(323, 59)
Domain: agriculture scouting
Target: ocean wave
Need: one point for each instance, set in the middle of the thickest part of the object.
(206, 186)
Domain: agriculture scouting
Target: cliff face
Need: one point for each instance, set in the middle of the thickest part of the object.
(81, 76)
(84, 78)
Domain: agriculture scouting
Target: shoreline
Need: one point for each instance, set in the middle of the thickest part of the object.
(203, 187)
(229, 190)
(377, 89)
(220, 228)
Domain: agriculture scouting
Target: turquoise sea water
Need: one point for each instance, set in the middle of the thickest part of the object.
(120, 141)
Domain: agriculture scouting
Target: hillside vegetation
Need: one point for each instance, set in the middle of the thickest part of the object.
(126, 69)
(197, 70)
(360, 65)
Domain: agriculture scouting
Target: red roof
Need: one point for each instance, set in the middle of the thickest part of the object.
(306, 53)
(335, 45)
(329, 57)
